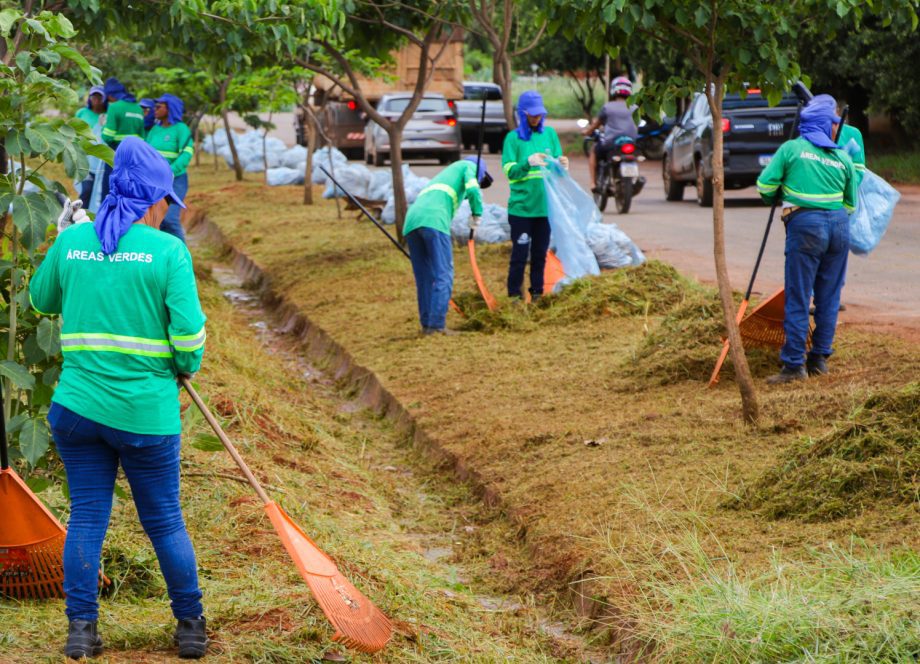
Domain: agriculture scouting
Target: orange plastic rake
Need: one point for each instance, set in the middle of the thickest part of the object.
(31, 538)
(358, 623)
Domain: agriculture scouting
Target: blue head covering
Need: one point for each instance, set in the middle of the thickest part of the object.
(147, 105)
(481, 171)
(174, 105)
(140, 178)
(530, 103)
(95, 90)
(114, 88)
(817, 120)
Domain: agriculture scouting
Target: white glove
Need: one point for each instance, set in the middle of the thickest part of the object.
(564, 162)
(537, 159)
(474, 223)
(73, 213)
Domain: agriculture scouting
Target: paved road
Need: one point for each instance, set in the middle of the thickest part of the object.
(883, 288)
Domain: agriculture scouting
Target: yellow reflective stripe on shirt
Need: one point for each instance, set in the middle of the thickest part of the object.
(472, 183)
(447, 189)
(859, 167)
(188, 343)
(36, 309)
(114, 343)
(766, 188)
(507, 167)
(108, 132)
(168, 154)
(828, 198)
(189, 149)
(534, 174)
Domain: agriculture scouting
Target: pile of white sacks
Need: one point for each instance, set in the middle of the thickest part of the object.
(286, 166)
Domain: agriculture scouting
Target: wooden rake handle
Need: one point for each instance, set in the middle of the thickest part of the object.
(253, 482)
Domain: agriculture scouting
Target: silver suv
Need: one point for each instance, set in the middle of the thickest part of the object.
(431, 132)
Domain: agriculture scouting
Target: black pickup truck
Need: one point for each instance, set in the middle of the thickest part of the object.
(753, 131)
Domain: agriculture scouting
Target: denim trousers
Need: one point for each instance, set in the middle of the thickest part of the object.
(91, 453)
(171, 222)
(817, 246)
(529, 236)
(433, 266)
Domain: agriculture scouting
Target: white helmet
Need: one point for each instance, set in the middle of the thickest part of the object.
(620, 86)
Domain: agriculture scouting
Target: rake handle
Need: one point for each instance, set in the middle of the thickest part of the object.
(253, 482)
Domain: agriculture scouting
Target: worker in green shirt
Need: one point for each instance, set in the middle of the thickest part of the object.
(132, 323)
(819, 181)
(427, 232)
(147, 105)
(857, 153)
(524, 152)
(123, 118)
(92, 114)
(173, 140)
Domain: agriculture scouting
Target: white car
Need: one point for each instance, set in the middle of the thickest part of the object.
(432, 131)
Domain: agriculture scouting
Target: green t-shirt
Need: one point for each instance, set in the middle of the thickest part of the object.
(174, 143)
(810, 177)
(89, 116)
(132, 322)
(437, 203)
(123, 119)
(528, 199)
(847, 133)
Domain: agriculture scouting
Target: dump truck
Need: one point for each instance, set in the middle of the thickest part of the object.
(340, 116)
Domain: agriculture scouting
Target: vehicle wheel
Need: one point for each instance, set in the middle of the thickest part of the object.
(603, 189)
(379, 159)
(653, 148)
(623, 195)
(673, 189)
(703, 186)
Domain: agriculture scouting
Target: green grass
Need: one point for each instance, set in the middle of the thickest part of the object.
(558, 95)
(897, 167)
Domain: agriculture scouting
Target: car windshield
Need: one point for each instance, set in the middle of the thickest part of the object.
(480, 92)
(754, 100)
(428, 104)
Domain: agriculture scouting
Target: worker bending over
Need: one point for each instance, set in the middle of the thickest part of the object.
(819, 180)
(427, 231)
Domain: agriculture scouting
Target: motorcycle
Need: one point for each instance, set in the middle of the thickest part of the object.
(652, 135)
(617, 174)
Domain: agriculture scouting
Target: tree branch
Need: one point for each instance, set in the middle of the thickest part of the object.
(532, 44)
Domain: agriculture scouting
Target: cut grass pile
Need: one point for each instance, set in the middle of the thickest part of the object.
(562, 417)
(871, 458)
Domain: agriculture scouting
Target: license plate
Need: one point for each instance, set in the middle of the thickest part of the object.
(629, 170)
(764, 159)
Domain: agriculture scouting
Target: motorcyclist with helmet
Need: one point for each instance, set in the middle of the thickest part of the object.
(617, 120)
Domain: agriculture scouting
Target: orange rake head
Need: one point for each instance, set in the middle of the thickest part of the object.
(358, 623)
(31, 543)
(553, 273)
(764, 325)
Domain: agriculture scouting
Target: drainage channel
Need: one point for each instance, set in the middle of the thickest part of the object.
(417, 482)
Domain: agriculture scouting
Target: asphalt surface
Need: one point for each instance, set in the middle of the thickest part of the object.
(882, 289)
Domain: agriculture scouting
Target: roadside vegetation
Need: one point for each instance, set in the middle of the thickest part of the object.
(897, 167)
(617, 443)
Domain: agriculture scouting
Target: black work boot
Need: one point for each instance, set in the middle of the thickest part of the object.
(788, 375)
(191, 638)
(816, 365)
(82, 640)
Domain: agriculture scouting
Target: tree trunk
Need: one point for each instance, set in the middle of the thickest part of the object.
(749, 407)
(505, 84)
(197, 141)
(395, 132)
(308, 166)
(225, 116)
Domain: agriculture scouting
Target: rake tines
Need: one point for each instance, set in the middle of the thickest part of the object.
(358, 623)
(33, 571)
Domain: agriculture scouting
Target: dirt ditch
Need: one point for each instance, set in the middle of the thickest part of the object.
(314, 357)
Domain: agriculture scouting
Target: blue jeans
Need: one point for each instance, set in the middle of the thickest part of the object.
(171, 223)
(91, 453)
(433, 266)
(817, 246)
(529, 235)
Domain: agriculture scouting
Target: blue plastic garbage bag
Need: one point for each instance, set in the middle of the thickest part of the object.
(570, 210)
(875, 205)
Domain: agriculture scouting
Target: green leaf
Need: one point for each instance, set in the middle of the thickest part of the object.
(77, 58)
(16, 422)
(37, 28)
(32, 213)
(24, 62)
(120, 492)
(207, 442)
(50, 377)
(16, 143)
(38, 484)
(48, 336)
(75, 164)
(17, 374)
(34, 439)
(100, 151)
(31, 352)
(8, 18)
